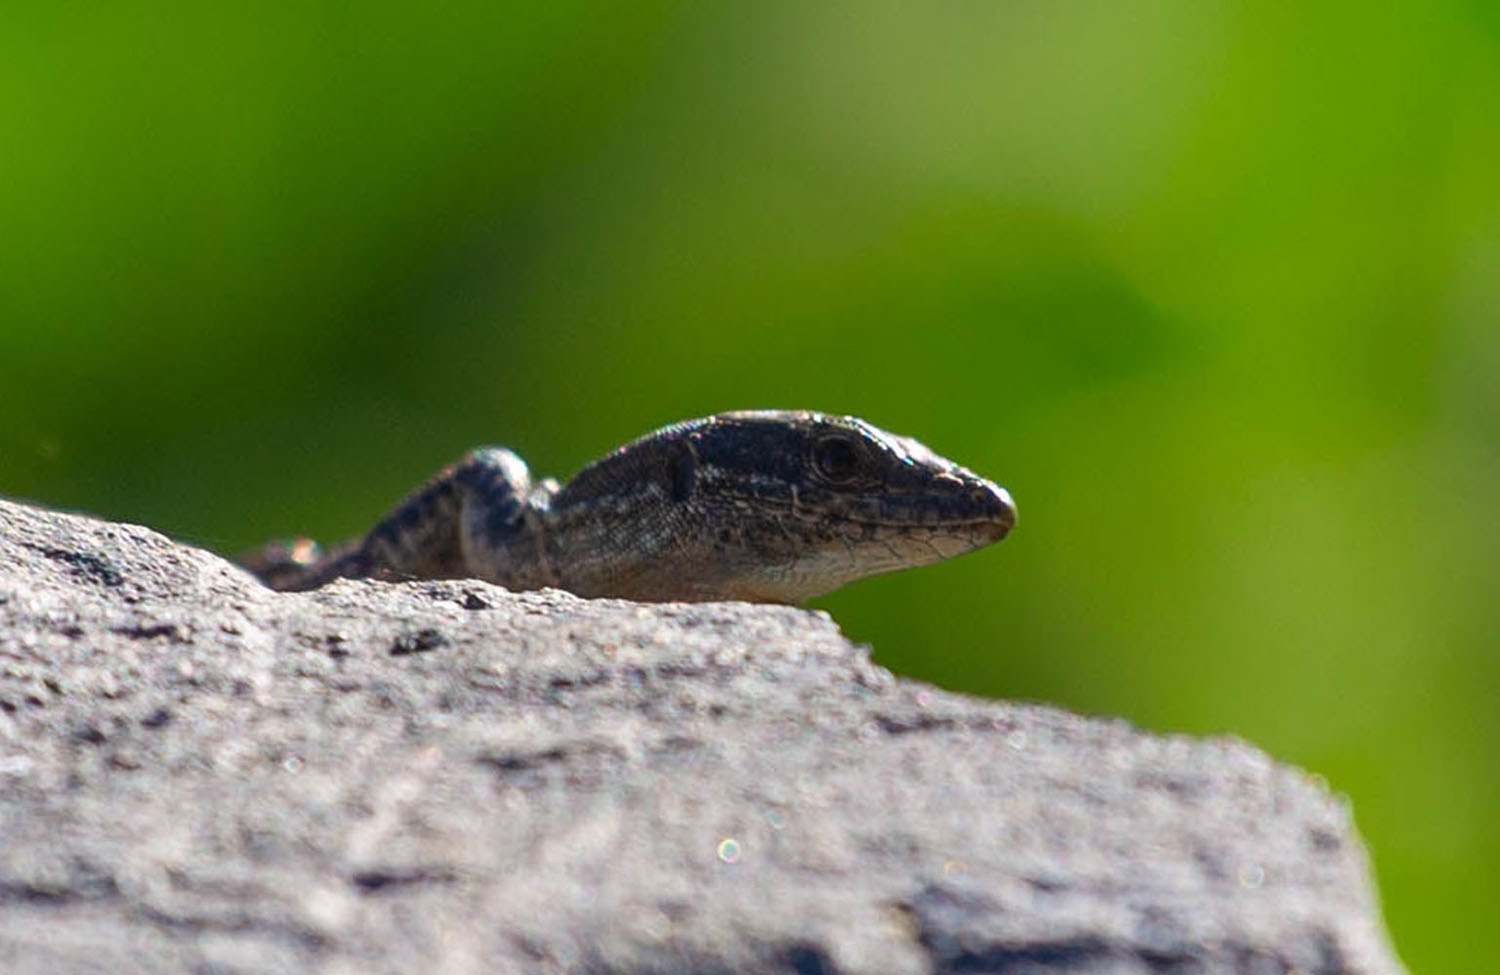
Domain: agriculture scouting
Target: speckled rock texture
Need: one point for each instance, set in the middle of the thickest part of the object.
(200, 775)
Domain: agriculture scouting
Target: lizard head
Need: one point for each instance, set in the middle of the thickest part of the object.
(784, 506)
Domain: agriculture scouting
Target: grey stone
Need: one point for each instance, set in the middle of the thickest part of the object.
(200, 775)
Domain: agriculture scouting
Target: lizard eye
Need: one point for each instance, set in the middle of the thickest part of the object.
(836, 458)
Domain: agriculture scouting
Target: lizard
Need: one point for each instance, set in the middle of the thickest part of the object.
(757, 505)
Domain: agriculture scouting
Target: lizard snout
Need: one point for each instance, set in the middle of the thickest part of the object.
(996, 506)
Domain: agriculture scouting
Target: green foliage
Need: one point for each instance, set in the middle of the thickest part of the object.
(1210, 287)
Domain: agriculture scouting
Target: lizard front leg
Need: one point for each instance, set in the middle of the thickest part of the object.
(474, 519)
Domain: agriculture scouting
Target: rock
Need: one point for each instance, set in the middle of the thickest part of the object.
(198, 774)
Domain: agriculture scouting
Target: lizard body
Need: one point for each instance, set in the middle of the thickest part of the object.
(767, 506)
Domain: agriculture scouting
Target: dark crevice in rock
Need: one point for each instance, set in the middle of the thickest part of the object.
(807, 960)
(171, 631)
(1075, 955)
(420, 641)
(85, 565)
(902, 724)
(102, 888)
(385, 881)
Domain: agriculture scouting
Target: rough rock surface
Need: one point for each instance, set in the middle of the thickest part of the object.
(200, 775)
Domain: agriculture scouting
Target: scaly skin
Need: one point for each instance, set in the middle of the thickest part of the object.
(765, 505)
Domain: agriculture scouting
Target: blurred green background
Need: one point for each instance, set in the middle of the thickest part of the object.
(1212, 287)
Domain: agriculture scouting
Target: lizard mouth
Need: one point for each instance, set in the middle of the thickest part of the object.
(983, 509)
